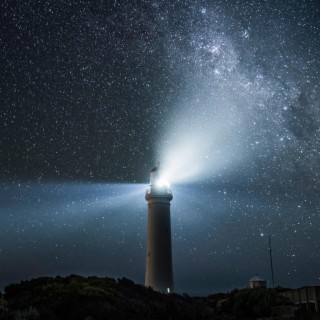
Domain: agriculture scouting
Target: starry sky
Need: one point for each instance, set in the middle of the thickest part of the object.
(224, 93)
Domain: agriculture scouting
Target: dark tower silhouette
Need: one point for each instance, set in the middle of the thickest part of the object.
(159, 274)
(271, 263)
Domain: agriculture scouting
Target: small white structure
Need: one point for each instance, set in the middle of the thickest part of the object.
(257, 282)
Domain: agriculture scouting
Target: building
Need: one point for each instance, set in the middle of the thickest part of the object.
(257, 282)
(159, 275)
(308, 297)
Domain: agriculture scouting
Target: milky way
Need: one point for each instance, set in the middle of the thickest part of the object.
(225, 94)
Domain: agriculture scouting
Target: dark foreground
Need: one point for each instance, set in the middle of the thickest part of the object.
(93, 298)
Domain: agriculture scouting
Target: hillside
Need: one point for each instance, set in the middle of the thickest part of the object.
(75, 297)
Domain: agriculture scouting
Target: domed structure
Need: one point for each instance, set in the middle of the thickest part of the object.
(257, 282)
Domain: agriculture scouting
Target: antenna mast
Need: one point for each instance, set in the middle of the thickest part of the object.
(271, 264)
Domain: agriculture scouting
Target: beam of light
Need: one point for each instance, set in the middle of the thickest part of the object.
(205, 134)
(58, 223)
(69, 199)
(220, 119)
(121, 194)
(202, 141)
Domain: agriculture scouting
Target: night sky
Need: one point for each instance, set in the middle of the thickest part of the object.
(225, 94)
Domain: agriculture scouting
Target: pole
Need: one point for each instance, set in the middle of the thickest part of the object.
(271, 264)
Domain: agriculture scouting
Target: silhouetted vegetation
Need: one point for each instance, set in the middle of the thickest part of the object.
(94, 298)
(252, 303)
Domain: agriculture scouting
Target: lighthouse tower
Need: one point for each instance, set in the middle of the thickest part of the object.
(159, 274)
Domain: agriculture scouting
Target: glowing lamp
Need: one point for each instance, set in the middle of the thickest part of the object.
(163, 183)
(158, 179)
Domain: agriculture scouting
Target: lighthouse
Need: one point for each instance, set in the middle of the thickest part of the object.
(159, 274)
